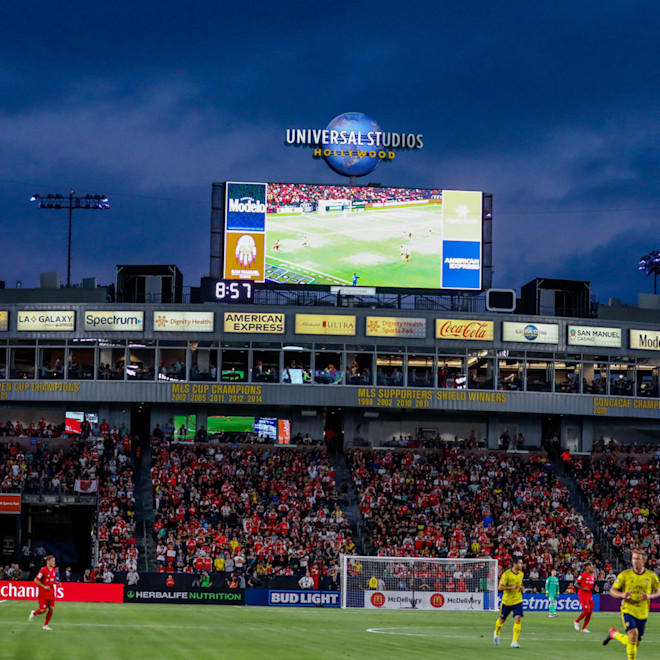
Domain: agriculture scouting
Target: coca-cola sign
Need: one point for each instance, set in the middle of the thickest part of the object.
(470, 329)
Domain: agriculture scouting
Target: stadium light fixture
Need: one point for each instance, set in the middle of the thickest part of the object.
(71, 202)
(650, 263)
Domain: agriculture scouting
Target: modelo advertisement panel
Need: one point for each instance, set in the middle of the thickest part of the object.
(71, 592)
(589, 335)
(304, 598)
(354, 236)
(645, 340)
(530, 333)
(185, 596)
(423, 600)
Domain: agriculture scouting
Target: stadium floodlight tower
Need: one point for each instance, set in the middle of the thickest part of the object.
(650, 263)
(71, 202)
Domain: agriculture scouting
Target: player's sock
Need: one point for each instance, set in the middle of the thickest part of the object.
(580, 618)
(620, 637)
(498, 626)
(48, 616)
(38, 612)
(587, 618)
(553, 608)
(516, 631)
(631, 649)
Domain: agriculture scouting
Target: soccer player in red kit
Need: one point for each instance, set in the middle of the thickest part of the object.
(46, 579)
(585, 586)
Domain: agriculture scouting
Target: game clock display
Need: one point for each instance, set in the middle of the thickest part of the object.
(227, 291)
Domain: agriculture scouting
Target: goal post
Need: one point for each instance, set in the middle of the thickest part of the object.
(419, 583)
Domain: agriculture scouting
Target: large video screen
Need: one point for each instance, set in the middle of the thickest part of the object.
(353, 235)
(227, 424)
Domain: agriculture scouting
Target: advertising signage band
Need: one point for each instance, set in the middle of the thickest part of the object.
(4, 321)
(464, 329)
(532, 333)
(392, 326)
(10, 503)
(183, 322)
(46, 321)
(267, 324)
(645, 340)
(325, 324)
(185, 596)
(588, 335)
(114, 321)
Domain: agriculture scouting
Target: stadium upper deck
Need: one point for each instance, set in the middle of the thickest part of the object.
(367, 373)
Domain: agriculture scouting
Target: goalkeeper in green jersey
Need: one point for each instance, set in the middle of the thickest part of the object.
(552, 591)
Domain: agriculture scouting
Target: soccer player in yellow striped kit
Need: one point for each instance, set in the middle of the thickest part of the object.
(636, 586)
(511, 586)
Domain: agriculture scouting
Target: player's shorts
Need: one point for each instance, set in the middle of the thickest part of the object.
(516, 610)
(631, 622)
(45, 603)
(587, 603)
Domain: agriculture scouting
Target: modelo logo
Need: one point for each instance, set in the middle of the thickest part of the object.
(531, 332)
(437, 600)
(301, 599)
(377, 599)
(20, 591)
(246, 205)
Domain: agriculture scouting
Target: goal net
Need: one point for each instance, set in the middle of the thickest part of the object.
(419, 583)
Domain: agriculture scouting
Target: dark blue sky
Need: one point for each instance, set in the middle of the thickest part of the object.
(552, 108)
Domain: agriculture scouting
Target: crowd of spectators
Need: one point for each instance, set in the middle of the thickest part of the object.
(623, 492)
(102, 465)
(296, 194)
(470, 504)
(247, 513)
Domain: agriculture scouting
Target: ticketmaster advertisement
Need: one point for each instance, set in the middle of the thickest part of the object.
(565, 603)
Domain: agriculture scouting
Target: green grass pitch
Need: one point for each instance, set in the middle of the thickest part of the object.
(90, 631)
(364, 242)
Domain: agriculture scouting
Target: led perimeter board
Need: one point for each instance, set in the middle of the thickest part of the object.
(412, 238)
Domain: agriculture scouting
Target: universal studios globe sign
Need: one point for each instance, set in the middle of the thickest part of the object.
(353, 143)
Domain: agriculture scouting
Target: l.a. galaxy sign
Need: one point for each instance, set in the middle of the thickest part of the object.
(353, 144)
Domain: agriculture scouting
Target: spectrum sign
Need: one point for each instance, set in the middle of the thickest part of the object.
(353, 144)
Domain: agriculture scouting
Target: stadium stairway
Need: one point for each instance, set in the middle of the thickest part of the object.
(145, 516)
(580, 505)
(349, 500)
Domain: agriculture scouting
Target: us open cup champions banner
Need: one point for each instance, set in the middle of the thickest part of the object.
(245, 231)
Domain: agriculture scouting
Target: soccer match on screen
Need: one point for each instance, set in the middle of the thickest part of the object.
(354, 235)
